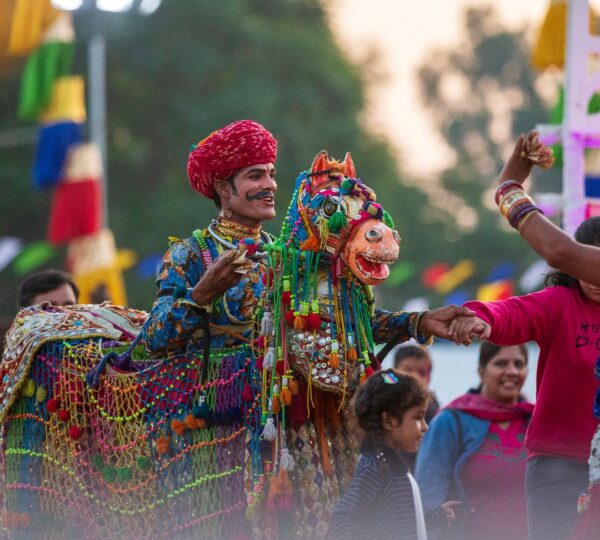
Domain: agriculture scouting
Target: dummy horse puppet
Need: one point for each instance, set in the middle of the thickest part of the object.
(99, 441)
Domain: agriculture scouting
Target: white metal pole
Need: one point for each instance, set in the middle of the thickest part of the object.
(574, 125)
(97, 112)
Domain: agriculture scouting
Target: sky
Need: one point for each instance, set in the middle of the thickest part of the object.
(403, 32)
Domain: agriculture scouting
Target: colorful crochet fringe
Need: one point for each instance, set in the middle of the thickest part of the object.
(163, 451)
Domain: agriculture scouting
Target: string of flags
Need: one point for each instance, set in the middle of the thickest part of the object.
(441, 277)
(65, 164)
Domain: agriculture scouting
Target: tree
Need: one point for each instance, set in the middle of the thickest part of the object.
(191, 68)
(481, 95)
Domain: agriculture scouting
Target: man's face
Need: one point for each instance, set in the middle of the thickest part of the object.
(251, 195)
(61, 296)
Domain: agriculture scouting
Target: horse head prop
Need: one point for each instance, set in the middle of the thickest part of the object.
(336, 241)
(334, 213)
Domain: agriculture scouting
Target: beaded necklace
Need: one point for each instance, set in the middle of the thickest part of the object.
(239, 234)
(234, 230)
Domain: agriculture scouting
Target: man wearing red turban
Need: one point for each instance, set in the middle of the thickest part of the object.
(206, 306)
(208, 297)
(235, 167)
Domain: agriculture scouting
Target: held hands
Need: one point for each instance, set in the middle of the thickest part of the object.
(528, 151)
(463, 329)
(218, 278)
(438, 321)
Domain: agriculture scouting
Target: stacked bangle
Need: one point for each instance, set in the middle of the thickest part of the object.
(505, 187)
(514, 203)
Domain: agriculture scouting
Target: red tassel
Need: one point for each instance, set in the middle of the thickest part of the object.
(260, 363)
(267, 278)
(286, 298)
(369, 371)
(289, 317)
(247, 392)
(314, 321)
(279, 367)
(260, 343)
(63, 415)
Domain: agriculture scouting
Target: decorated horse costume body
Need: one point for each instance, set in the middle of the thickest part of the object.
(236, 414)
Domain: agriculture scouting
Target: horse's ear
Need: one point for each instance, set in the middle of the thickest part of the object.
(348, 166)
(320, 165)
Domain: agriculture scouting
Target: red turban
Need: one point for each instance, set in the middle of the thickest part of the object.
(227, 150)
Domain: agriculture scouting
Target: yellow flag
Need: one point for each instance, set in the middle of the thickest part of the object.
(459, 273)
(67, 103)
(28, 20)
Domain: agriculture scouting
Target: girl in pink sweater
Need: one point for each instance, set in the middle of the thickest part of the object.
(564, 320)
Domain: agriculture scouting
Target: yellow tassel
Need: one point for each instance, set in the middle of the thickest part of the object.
(334, 360)
(549, 47)
(286, 396)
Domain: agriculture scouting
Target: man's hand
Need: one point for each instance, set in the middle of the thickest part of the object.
(437, 321)
(218, 278)
(464, 329)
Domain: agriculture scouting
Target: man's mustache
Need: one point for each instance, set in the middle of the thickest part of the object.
(259, 195)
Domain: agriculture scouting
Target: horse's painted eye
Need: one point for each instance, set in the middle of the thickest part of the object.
(373, 235)
(330, 206)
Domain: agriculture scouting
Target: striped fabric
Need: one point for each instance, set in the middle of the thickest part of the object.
(379, 503)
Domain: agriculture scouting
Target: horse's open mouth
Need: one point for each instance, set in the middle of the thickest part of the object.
(373, 268)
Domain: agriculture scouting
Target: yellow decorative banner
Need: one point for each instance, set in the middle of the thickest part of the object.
(459, 273)
(28, 20)
(67, 103)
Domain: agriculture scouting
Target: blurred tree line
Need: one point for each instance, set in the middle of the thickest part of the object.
(192, 67)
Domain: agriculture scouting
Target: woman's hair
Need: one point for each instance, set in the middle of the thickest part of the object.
(488, 350)
(386, 391)
(409, 351)
(587, 233)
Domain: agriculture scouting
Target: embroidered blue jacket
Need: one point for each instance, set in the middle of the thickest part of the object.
(174, 323)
